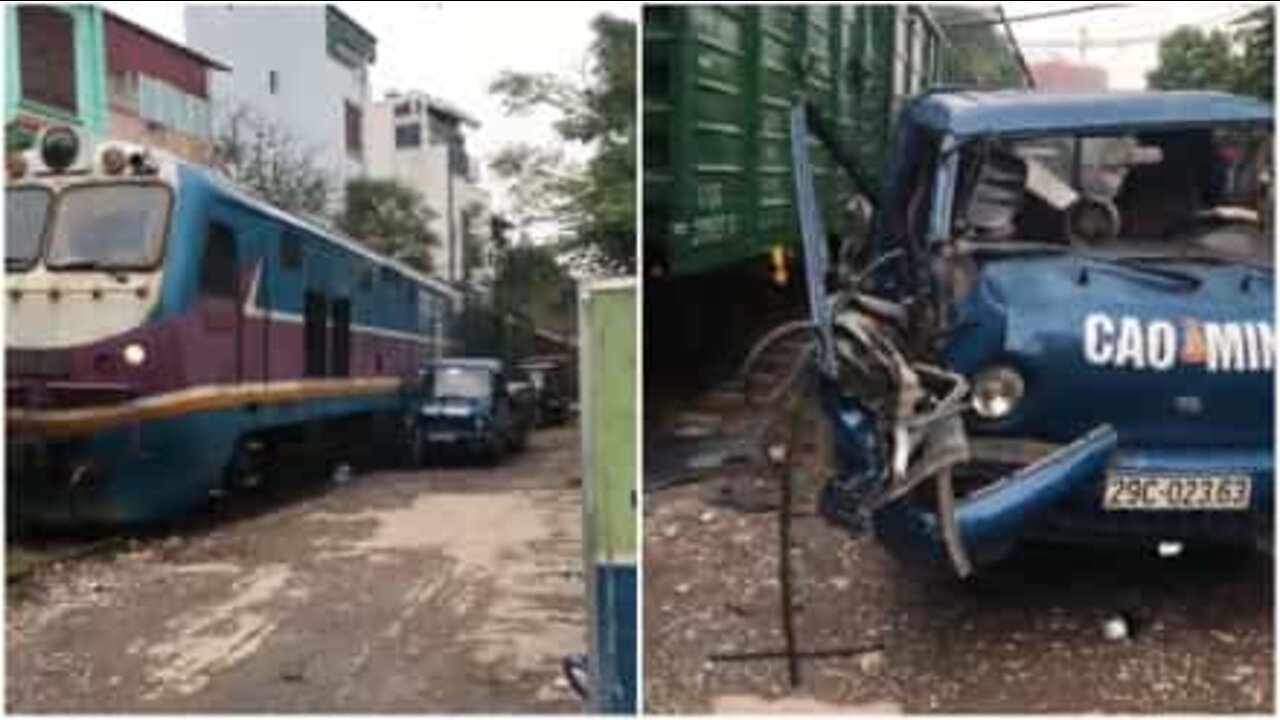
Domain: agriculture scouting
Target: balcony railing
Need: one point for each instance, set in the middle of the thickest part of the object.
(159, 102)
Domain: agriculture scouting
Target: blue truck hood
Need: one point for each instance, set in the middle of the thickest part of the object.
(1164, 363)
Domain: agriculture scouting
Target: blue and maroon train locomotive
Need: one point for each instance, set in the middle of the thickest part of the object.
(165, 330)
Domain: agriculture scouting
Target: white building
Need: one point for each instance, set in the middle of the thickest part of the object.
(304, 68)
(420, 141)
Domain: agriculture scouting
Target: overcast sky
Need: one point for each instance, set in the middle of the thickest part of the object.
(1123, 40)
(453, 50)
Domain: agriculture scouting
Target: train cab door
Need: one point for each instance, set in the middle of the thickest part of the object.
(220, 293)
(340, 336)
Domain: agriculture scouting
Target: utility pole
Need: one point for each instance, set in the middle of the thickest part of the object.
(453, 243)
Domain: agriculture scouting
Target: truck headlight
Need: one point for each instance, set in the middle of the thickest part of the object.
(996, 392)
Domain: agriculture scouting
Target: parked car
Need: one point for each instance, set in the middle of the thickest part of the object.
(549, 376)
(474, 405)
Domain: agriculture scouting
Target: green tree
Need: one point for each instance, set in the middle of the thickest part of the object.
(391, 219)
(260, 155)
(530, 280)
(977, 51)
(1192, 59)
(1239, 61)
(594, 201)
(1257, 33)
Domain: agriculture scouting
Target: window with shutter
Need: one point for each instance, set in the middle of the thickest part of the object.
(47, 56)
(409, 136)
(218, 268)
(355, 129)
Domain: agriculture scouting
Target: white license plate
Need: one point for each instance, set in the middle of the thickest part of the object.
(442, 436)
(1191, 491)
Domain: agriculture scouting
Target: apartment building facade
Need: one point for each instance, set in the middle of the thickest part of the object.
(302, 68)
(420, 141)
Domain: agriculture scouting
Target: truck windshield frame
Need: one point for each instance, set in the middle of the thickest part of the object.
(142, 220)
(25, 230)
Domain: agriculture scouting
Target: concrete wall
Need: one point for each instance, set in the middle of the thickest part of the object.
(130, 127)
(425, 168)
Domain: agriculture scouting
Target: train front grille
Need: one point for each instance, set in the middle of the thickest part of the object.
(37, 363)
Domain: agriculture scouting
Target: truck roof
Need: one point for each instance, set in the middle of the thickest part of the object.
(483, 363)
(968, 114)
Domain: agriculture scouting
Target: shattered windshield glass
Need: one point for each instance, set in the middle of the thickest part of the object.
(460, 382)
(1199, 193)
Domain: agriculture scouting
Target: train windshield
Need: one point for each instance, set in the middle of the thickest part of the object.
(462, 382)
(1200, 193)
(26, 214)
(113, 227)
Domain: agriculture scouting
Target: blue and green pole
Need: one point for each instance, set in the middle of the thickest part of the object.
(607, 372)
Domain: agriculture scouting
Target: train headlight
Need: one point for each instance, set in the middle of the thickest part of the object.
(59, 148)
(114, 160)
(16, 165)
(134, 354)
(996, 392)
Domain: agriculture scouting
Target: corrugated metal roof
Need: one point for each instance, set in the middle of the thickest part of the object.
(178, 47)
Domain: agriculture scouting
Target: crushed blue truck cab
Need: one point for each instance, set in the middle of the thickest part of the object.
(1060, 327)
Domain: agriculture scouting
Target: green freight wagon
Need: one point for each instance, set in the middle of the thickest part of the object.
(718, 83)
(720, 230)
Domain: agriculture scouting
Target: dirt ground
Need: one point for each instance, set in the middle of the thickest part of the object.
(1026, 636)
(449, 589)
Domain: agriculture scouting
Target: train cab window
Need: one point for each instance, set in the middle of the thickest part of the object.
(340, 337)
(218, 268)
(290, 251)
(26, 212)
(315, 315)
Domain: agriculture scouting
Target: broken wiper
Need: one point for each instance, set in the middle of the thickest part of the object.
(1128, 262)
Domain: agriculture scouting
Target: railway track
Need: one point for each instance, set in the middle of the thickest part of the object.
(24, 558)
(690, 439)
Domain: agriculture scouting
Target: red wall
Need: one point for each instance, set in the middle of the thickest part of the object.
(130, 50)
(1067, 77)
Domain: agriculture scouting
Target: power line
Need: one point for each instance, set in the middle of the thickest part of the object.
(1146, 39)
(1111, 43)
(1029, 17)
(1017, 49)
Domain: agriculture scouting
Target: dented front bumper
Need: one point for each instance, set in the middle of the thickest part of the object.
(1057, 497)
(991, 521)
